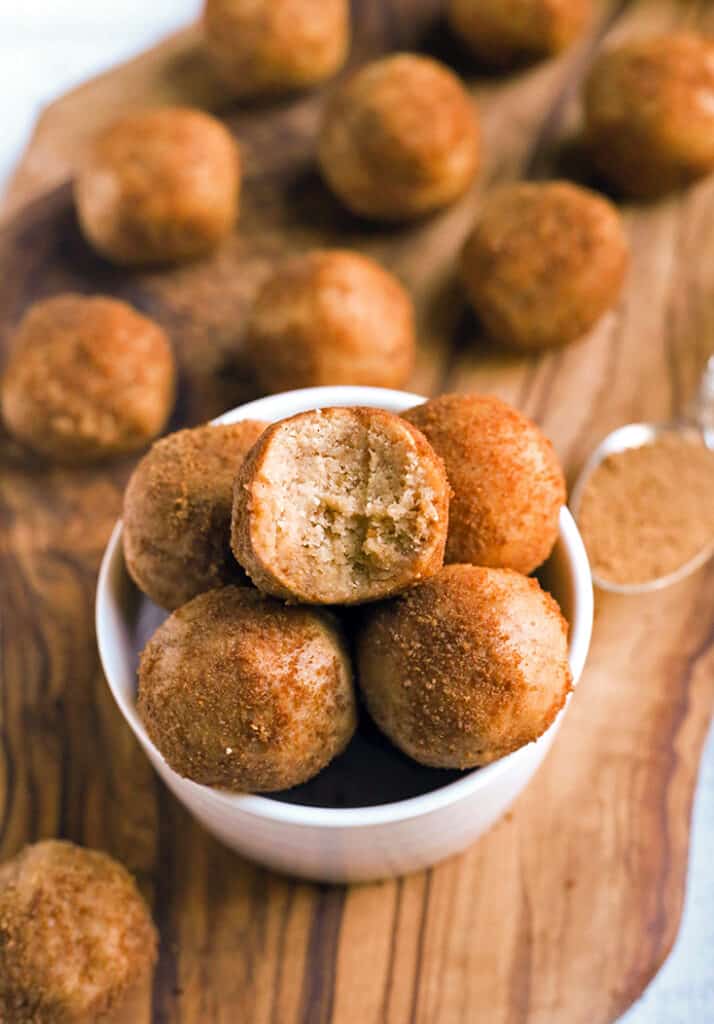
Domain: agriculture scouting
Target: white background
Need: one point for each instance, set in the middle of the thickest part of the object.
(48, 46)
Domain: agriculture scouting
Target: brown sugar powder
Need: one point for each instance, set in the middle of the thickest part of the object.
(647, 511)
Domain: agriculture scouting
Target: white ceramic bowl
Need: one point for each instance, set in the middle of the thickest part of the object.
(342, 828)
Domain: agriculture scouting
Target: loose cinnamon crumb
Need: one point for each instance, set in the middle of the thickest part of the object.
(647, 511)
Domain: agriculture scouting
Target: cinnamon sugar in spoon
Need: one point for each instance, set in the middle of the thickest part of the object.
(636, 511)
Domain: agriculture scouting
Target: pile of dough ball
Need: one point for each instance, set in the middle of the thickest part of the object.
(249, 684)
(253, 537)
(398, 139)
(250, 534)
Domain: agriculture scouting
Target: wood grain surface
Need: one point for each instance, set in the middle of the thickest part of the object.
(562, 914)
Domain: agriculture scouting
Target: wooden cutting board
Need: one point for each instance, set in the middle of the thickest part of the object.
(562, 914)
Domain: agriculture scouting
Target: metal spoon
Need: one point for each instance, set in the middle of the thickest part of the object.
(698, 421)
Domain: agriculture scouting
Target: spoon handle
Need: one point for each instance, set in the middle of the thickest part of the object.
(702, 406)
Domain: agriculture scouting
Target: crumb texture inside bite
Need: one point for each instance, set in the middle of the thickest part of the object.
(344, 504)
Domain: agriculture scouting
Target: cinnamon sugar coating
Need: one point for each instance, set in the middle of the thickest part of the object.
(649, 113)
(507, 484)
(88, 378)
(265, 47)
(543, 263)
(76, 938)
(503, 33)
(399, 139)
(331, 317)
(242, 692)
(465, 668)
(159, 186)
(177, 511)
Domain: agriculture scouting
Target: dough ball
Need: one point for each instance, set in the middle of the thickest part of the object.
(503, 33)
(543, 263)
(507, 484)
(159, 186)
(465, 668)
(649, 113)
(241, 692)
(399, 139)
(177, 511)
(340, 506)
(331, 317)
(88, 378)
(275, 46)
(76, 938)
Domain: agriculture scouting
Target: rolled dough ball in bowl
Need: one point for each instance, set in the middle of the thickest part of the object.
(399, 139)
(177, 511)
(502, 33)
(340, 506)
(262, 47)
(244, 693)
(649, 113)
(373, 812)
(465, 668)
(88, 378)
(159, 186)
(507, 483)
(76, 937)
(331, 317)
(543, 263)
